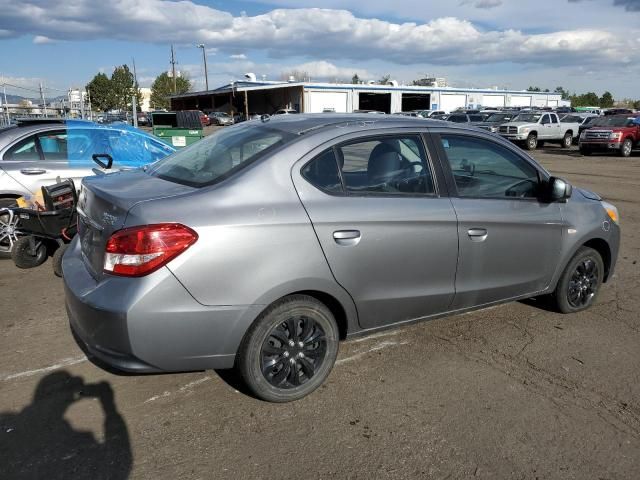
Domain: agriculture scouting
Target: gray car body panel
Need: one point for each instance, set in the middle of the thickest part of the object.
(266, 232)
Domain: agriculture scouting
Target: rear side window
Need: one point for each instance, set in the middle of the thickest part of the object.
(216, 157)
(322, 173)
(388, 165)
(484, 169)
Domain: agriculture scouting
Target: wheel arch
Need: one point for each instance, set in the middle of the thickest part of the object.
(602, 247)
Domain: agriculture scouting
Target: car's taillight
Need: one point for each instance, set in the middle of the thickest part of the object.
(138, 251)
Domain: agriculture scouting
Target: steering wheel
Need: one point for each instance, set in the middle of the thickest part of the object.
(512, 191)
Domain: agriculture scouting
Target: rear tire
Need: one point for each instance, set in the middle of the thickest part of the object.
(57, 259)
(567, 140)
(22, 255)
(290, 350)
(532, 142)
(626, 148)
(580, 282)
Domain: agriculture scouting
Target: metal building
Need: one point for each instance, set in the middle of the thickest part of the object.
(310, 97)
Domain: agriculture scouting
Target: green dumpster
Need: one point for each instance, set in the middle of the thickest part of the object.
(177, 128)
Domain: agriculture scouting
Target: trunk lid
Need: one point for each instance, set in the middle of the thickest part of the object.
(103, 204)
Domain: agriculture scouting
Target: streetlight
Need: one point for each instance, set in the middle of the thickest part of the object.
(204, 59)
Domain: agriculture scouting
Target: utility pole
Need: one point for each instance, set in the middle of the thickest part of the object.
(89, 101)
(6, 105)
(173, 69)
(134, 109)
(204, 59)
(44, 104)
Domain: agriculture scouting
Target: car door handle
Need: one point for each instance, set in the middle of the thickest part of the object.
(478, 234)
(347, 238)
(33, 171)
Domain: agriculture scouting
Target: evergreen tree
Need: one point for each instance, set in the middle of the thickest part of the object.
(162, 89)
(99, 89)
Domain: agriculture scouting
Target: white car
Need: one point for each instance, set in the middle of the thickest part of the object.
(38, 152)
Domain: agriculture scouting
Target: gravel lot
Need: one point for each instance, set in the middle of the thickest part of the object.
(514, 391)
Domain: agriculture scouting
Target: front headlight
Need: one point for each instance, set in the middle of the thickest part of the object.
(525, 130)
(583, 135)
(615, 135)
(612, 211)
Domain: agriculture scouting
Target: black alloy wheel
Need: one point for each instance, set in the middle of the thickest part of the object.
(292, 352)
(583, 284)
(289, 350)
(580, 281)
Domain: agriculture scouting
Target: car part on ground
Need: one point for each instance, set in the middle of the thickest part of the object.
(154, 282)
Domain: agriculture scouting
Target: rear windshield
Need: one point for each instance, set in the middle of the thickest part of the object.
(218, 156)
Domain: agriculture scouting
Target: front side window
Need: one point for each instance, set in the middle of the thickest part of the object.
(484, 169)
(213, 158)
(386, 165)
(25, 150)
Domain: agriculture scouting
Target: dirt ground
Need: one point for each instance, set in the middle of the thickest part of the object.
(510, 392)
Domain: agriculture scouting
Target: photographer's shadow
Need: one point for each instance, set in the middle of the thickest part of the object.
(39, 443)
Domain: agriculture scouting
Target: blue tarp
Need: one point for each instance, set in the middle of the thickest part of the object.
(128, 146)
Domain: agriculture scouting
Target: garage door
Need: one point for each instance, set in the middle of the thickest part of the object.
(521, 101)
(451, 101)
(493, 101)
(332, 101)
(552, 103)
(539, 102)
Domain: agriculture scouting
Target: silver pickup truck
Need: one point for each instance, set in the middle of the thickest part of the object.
(533, 128)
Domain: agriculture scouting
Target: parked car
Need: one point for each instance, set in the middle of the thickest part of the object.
(530, 129)
(188, 265)
(581, 119)
(429, 113)
(204, 119)
(35, 153)
(143, 119)
(374, 112)
(494, 120)
(220, 118)
(464, 118)
(618, 111)
(565, 110)
(613, 133)
(286, 111)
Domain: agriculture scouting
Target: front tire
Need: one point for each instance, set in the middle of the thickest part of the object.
(567, 140)
(24, 257)
(626, 148)
(532, 142)
(580, 282)
(290, 350)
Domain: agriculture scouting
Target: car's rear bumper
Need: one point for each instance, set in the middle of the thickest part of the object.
(150, 324)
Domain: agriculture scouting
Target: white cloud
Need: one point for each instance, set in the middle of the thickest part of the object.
(41, 39)
(240, 56)
(318, 34)
(323, 70)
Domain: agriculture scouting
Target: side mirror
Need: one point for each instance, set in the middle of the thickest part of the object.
(558, 190)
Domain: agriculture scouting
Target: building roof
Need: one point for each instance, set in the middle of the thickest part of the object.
(243, 85)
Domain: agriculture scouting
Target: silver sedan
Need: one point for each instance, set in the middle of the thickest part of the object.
(265, 244)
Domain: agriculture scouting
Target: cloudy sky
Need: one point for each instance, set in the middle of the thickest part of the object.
(579, 44)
